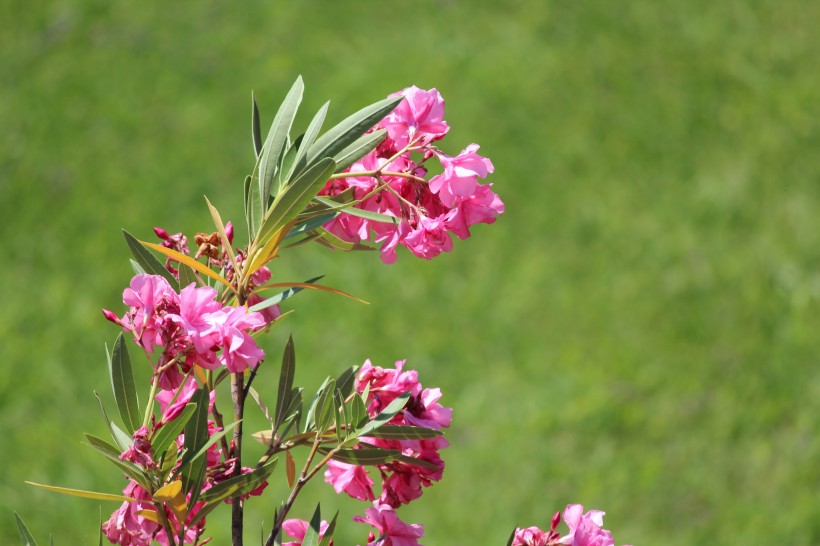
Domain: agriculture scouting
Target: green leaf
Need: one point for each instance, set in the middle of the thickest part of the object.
(196, 436)
(110, 452)
(121, 438)
(293, 200)
(149, 263)
(277, 138)
(404, 432)
(187, 276)
(312, 532)
(256, 131)
(81, 493)
(365, 456)
(416, 462)
(336, 243)
(350, 129)
(287, 165)
(307, 140)
(25, 535)
(512, 537)
(331, 527)
(122, 382)
(214, 439)
(282, 296)
(358, 412)
(286, 374)
(232, 488)
(309, 225)
(168, 432)
(138, 270)
(388, 413)
(325, 414)
(360, 148)
(346, 381)
(353, 211)
(262, 407)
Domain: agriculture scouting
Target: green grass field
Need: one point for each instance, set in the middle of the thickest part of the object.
(637, 333)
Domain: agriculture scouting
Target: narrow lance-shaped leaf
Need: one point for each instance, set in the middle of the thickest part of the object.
(187, 276)
(261, 404)
(404, 432)
(26, 538)
(256, 131)
(353, 211)
(187, 260)
(282, 296)
(196, 436)
(286, 375)
(366, 456)
(312, 532)
(232, 488)
(110, 452)
(309, 225)
(331, 528)
(81, 493)
(220, 229)
(386, 415)
(167, 433)
(293, 200)
(360, 148)
(277, 138)
(122, 382)
(149, 263)
(307, 140)
(350, 129)
(122, 439)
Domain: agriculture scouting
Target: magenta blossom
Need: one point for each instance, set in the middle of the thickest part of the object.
(585, 529)
(459, 180)
(297, 528)
(388, 525)
(419, 117)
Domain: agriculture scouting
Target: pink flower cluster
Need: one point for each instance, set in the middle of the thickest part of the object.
(192, 327)
(128, 525)
(383, 518)
(401, 481)
(427, 211)
(585, 529)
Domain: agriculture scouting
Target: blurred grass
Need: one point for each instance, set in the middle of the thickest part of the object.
(636, 333)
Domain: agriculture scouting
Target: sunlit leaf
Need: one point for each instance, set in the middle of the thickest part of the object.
(293, 199)
(220, 229)
(308, 139)
(187, 260)
(122, 439)
(331, 528)
(358, 149)
(350, 129)
(262, 407)
(278, 137)
(196, 436)
(281, 296)
(353, 211)
(85, 494)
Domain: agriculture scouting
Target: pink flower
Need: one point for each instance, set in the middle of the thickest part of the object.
(420, 116)
(429, 239)
(388, 525)
(140, 450)
(481, 207)
(531, 536)
(297, 528)
(459, 179)
(239, 350)
(350, 478)
(125, 527)
(148, 296)
(196, 307)
(585, 529)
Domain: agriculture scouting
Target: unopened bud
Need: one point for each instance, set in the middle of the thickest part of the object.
(556, 519)
(109, 315)
(161, 233)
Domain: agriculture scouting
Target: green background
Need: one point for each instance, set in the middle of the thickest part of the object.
(637, 333)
